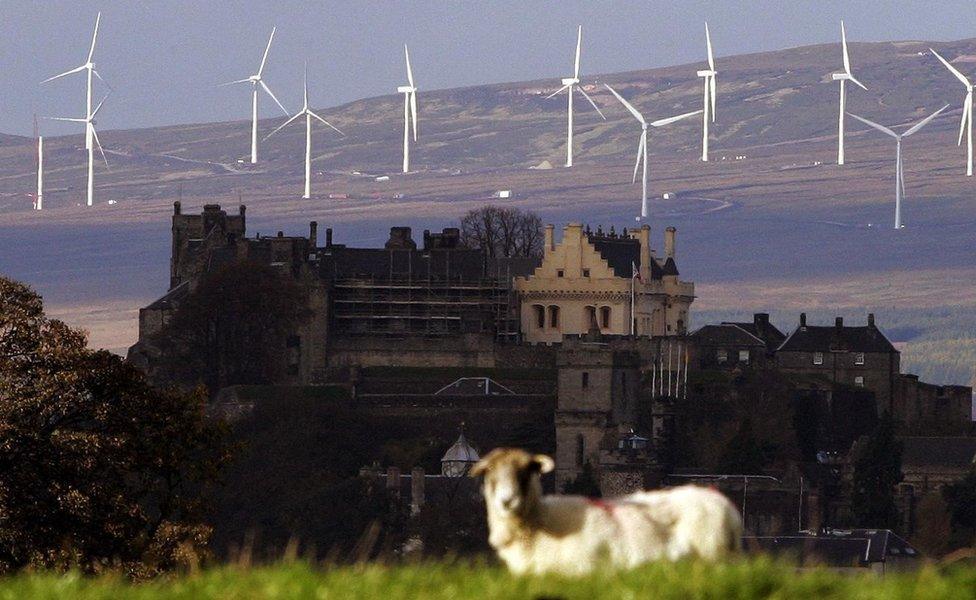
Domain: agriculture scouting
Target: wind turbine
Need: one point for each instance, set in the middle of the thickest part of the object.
(642, 144)
(708, 101)
(571, 84)
(89, 122)
(89, 68)
(409, 92)
(255, 81)
(967, 113)
(309, 115)
(39, 196)
(843, 78)
(899, 168)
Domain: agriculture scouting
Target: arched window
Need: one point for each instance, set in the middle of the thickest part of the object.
(590, 319)
(540, 315)
(554, 317)
(605, 317)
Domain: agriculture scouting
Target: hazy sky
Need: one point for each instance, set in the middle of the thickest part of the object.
(164, 58)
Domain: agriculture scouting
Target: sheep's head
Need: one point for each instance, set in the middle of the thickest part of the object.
(511, 479)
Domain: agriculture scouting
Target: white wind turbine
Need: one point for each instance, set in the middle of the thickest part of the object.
(843, 78)
(409, 92)
(708, 102)
(966, 125)
(571, 84)
(255, 81)
(899, 167)
(89, 122)
(89, 68)
(309, 115)
(642, 144)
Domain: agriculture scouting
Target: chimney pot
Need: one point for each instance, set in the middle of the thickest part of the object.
(839, 322)
(313, 234)
(870, 319)
(669, 235)
(328, 237)
(549, 244)
(177, 207)
(281, 234)
(803, 319)
(242, 209)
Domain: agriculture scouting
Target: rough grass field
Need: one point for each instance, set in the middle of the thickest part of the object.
(756, 579)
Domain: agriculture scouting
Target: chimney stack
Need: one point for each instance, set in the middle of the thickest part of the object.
(761, 320)
(669, 242)
(870, 319)
(176, 207)
(313, 235)
(803, 320)
(839, 322)
(328, 237)
(417, 493)
(549, 246)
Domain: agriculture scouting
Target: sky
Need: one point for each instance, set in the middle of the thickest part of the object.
(164, 59)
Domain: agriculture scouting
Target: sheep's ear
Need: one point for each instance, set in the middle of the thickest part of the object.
(478, 469)
(543, 463)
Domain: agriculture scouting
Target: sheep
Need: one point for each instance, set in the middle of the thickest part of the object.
(573, 535)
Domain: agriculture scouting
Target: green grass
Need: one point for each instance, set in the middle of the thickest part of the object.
(756, 579)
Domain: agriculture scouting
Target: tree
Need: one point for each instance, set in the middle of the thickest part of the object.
(502, 231)
(960, 499)
(743, 455)
(877, 470)
(233, 328)
(97, 469)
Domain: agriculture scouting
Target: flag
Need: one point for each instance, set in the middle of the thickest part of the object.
(635, 272)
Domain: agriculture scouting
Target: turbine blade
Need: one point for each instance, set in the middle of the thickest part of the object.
(557, 92)
(965, 116)
(641, 154)
(96, 74)
(669, 120)
(856, 82)
(66, 119)
(91, 51)
(99, 144)
(270, 93)
(406, 55)
(305, 87)
(880, 128)
(75, 70)
(99, 107)
(626, 104)
(413, 112)
(587, 96)
(712, 94)
(843, 41)
(924, 122)
(267, 49)
(283, 125)
(327, 123)
(579, 44)
(233, 82)
(951, 68)
(708, 45)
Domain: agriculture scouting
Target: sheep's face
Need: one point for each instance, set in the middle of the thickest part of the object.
(511, 479)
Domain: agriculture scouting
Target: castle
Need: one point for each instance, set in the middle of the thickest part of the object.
(592, 343)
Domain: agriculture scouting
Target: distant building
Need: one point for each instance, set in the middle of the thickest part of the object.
(736, 345)
(600, 282)
(879, 550)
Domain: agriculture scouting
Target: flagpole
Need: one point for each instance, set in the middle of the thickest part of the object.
(633, 271)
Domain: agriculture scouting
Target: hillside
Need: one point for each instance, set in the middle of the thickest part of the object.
(779, 225)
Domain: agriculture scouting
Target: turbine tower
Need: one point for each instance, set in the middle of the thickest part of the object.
(409, 92)
(843, 78)
(571, 84)
(966, 125)
(39, 198)
(89, 122)
(708, 102)
(899, 167)
(256, 80)
(642, 144)
(309, 115)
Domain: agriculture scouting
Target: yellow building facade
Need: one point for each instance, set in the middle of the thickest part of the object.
(587, 282)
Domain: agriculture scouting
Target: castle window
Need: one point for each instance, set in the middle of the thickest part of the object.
(605, 317)
(591, 317)
(744, 357)
(540, 315)
(580, 450)
(559, 273)
(818, 358)
(859, 381)
(722, 356)
(586, 272)
(554, 316)
(586, 380)
(858, 358)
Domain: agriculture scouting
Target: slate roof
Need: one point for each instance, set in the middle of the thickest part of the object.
(837, 547)
(729, 334)
(766, 332)
(946, 452)
(622, 254)
(813, 338)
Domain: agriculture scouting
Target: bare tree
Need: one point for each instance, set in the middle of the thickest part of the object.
(503, 232)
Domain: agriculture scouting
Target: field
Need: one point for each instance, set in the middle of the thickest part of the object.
(744, 581)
